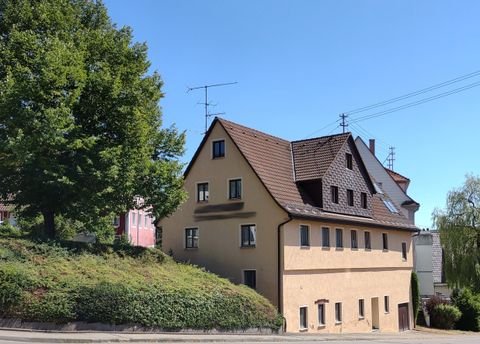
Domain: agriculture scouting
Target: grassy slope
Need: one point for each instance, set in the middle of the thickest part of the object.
(64, 281)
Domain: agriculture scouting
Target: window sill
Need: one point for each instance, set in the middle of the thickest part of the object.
(250, 246)
(338, 322)
(303, 330)
(201, 202)
(385, 250)
(361, 318)
(191, 248)
(304, 247)
(368, 249)
(321, 326)
(354, 248)
(326, 248)
(339, 248)
(218, 157)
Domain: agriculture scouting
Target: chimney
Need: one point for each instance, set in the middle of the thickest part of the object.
(372, 146)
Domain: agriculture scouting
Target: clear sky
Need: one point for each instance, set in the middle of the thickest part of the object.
(299, 64)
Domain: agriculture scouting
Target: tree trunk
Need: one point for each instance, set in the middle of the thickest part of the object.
(49, 223)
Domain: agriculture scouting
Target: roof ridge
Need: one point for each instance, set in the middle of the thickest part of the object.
(255, 131)
(322, 137)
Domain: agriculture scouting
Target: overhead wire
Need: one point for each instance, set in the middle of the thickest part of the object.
(415, 93)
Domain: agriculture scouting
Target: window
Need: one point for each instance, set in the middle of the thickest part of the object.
(116, 221)
(350, 197)
(218, 149)
(404, 250)
(321, 314)
(363, 200)
(339, 237)
(304, 236)
(139, 220)
(386, 301)
(235, 189)
(390, 206)
(349, 161)
(249, 235)
(202, 192)
(368, 244)
(303, 318)
(385, 241)
(146, 220)
(326, 237)
(334, 193)
(134, 219)
(191, 237)
(250, 278)
(338, 312)
(361, 308)
(354, 241)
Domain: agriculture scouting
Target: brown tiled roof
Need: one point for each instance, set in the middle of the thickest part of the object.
(272, 160)
(313, 157)
(397, 176)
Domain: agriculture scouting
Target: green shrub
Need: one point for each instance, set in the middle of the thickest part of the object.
(469, 304)
(7, 230)
(444, 316)
(12, 285)
(433, 302)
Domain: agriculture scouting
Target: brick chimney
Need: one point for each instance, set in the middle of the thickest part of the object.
(372, 146)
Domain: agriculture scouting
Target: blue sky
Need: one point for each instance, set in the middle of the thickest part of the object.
(299, 64)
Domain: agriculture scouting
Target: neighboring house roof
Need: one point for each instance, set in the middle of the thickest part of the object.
(274, 159)
(5, 207)
(402, 181)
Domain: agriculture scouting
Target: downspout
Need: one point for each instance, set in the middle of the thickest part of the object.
(279, 264)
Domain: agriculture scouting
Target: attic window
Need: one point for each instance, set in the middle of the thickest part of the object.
(390, 206)
(334, 193)
(218, 149)
(349, 161)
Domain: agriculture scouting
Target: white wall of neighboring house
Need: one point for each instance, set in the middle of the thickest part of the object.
(380, 175)
(422, 244)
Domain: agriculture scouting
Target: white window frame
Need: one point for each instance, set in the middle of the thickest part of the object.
(300, 319)
(224, 148)
(356, 236)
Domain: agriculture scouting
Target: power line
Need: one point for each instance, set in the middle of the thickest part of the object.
(322, 128)
(415, 93)
(418, 102)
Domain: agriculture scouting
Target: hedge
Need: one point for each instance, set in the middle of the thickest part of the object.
(59, 283)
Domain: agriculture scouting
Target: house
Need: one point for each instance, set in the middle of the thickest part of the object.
(138, 227)
(428, 254)
(391, 182)
(7, 214)
(302, 223)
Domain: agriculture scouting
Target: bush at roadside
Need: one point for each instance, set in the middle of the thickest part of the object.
(444, 316)
(469, 304)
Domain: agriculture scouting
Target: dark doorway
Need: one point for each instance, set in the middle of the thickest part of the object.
(403, 321)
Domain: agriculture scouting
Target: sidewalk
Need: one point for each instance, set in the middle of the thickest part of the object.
(117, 337)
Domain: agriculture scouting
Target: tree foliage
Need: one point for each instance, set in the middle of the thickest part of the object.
(459, 226)
(80, 124)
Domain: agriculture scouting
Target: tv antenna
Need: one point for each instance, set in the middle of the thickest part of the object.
(206, 103)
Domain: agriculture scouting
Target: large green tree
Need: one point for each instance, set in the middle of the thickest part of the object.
(459, 226)
(80, 123)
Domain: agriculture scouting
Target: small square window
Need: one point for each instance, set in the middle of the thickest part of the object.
(304, 236)
(250, 278)
(339, 237)
(363, 200)
(349, 161)
(334, 194)
(191, 237)
(202, 192)
(338, 312)
(218, 149)
(354, 241)
(350, 198)
(303, 318)
(368, 244)
(361, 308)
(385, 241)
(326, 237)
(404, 250)
(386, 301)
(249, 235)
(235, 189)
(321, 314)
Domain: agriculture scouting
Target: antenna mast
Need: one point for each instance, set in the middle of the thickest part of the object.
(344, 123)
(206, 103)
(391, 157)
